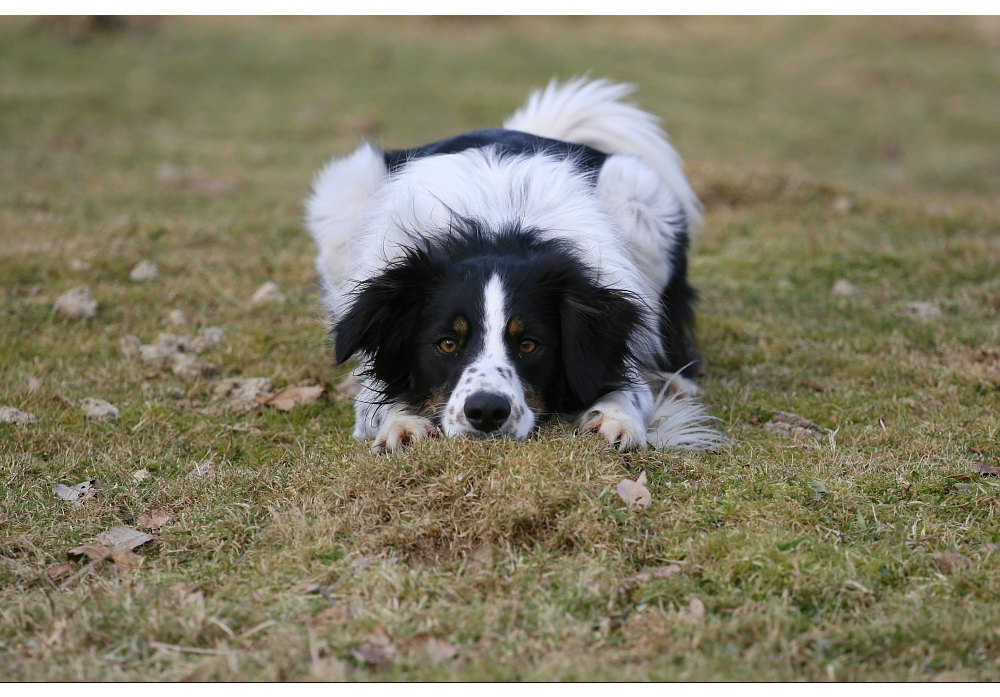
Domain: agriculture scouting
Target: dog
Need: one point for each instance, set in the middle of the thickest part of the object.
(492, 279)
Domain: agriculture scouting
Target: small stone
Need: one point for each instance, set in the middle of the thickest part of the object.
(76, 303)
(790, 425)
(177, 318)
(144, 271)
(949, 561)
(98, 409)
(10, 415)
(844, 288)
(241, 393)
(843, 204)
(130, 346)
(209, 340)
(187, 367)
(922, 311)
(267, 293)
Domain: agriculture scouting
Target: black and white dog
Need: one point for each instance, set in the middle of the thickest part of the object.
(485, 281)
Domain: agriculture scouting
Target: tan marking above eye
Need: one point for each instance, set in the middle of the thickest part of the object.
(515, 326)
(527, 345)
(461, 326)
(448, 345)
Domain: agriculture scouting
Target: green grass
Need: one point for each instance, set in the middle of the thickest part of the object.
(778, 120)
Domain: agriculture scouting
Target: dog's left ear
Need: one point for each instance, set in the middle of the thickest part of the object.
(597, 329)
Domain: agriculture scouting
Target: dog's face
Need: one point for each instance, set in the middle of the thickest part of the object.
(485, 335)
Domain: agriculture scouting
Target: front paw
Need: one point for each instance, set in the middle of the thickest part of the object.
(618, 427)
(400, 430)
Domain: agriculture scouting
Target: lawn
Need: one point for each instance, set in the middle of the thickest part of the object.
(849, 272)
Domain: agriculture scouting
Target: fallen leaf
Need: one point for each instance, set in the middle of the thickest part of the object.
(428, 649)
(290, 397)
(948, 561)
(187, 367)
(154, 519)
(95, 552)
(122, 537)
(376, 650)
(788, 425)
(76, 303)
(331, 615)
(98, 410)
(10, 415)
(57, 571)
(125, 559)
(635, 494)
(986, 470)
(80, 492)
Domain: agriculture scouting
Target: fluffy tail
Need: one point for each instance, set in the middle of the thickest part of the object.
(591, 112)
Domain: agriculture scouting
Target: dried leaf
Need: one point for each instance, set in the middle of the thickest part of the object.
(156, 518)
(428, 649)
(635, 494)
(57, 571)
(377, 649)
(122, 537)
(949, 561)
(80, 492)
(241, 393)
(290, 397)
(986, 470)
(95, 552)
(125, 559)
(331, 615)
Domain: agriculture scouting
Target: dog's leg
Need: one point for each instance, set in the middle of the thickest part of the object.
(388, 426)
(620, 417)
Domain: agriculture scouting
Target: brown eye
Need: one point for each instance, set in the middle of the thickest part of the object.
(527, 346)
(448, 345)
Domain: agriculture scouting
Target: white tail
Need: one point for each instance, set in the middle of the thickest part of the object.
(591, 112)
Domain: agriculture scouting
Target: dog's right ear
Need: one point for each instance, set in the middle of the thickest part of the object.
(383, 319)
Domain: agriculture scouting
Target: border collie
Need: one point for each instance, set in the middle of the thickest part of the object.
(488, 280)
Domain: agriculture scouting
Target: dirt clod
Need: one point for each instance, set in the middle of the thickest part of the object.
(98, 409)
(949, 562)
(76, 303)
(10, 415)
(143, 272)
(788, 425)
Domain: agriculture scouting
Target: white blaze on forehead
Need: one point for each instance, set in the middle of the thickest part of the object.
(494, 320)
(491, 371)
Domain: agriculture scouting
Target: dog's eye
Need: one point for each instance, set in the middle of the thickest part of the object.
(527, 346)
(448, 345)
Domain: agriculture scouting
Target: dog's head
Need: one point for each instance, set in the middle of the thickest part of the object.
(486, 333)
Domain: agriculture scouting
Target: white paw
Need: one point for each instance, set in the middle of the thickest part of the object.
(400, 430)
(618, 427)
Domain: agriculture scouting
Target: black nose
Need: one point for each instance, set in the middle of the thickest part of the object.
(487, 411)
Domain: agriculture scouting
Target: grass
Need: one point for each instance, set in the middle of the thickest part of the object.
(863, 150)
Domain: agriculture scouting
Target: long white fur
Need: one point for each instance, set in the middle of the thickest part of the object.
(592, 112)
(362, 219)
